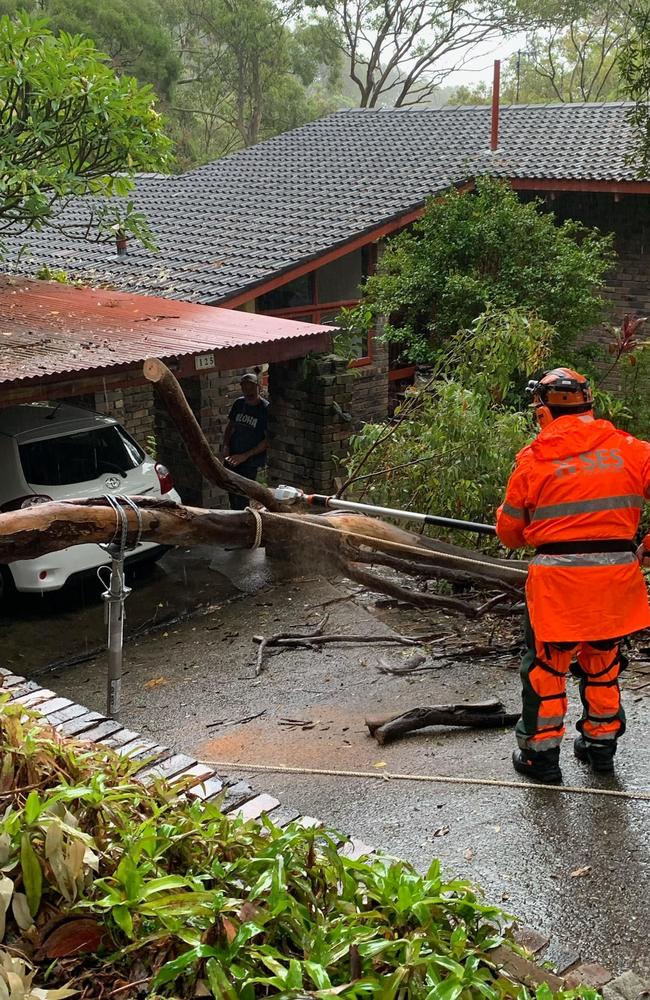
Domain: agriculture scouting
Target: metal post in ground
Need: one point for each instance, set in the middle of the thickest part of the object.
(114, 597)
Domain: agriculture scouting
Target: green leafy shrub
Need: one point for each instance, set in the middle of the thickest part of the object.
(472, 251)
(120, 882)
(454, 451)
(464, 449)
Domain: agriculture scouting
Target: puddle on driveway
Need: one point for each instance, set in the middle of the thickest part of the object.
(38, 632)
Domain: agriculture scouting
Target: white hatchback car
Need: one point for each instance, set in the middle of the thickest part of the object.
(59, 452)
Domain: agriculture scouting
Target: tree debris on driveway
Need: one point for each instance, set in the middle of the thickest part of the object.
(316, 638)
(476, 715)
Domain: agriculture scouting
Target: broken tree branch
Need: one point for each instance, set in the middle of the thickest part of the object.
(316, 637)
(412, 597)
(477, 715)
(275, 639)
(430, 570)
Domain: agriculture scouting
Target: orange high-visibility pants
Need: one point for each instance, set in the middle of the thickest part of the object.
(544, 672)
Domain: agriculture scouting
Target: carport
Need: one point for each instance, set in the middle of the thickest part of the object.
(87, 346)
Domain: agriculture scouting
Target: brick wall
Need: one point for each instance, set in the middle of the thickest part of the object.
(628, 285)
(315, 406)
(133, 406)
(218, 391)
(369, 400)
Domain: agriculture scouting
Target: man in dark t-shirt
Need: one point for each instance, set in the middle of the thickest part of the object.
(244, 440)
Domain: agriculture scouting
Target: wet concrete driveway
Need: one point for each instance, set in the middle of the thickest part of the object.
(576, 867)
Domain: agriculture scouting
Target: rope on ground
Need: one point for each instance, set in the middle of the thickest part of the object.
(258, 526)
(642, 794)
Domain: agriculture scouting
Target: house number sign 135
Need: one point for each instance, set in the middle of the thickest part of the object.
(204, 361)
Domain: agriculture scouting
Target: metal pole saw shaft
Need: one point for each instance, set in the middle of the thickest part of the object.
(332, 503)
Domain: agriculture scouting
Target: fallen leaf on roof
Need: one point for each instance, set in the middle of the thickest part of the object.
(581, 872)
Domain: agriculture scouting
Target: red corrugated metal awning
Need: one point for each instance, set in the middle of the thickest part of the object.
(49, 329)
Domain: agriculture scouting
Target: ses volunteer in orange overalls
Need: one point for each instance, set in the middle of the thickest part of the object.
(576, 496)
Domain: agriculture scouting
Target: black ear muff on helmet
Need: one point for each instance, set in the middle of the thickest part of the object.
(559, 392)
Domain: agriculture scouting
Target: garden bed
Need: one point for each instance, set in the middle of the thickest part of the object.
(116, 887)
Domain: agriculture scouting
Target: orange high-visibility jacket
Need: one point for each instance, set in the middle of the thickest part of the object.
(580, 480)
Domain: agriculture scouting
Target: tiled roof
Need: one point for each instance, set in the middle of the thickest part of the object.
(235, 223)
(51, 329)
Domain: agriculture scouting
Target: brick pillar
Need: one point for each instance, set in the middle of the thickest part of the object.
(371, 387)
(310, 421)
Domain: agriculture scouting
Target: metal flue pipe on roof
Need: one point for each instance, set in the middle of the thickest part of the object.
(496, 95)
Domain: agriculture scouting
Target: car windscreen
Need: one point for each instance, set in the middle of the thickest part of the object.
(80, 457)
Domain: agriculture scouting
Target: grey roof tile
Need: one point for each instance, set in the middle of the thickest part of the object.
(229, 226)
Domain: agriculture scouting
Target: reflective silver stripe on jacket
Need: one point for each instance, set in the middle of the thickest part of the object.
(628, 502)
(518, 513)
(585, 559)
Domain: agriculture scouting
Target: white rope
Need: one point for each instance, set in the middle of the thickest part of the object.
(642, 794)
(134, 507)
(121, 525)
(258, 527)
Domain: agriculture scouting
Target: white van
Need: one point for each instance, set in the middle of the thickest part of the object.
(59, 452)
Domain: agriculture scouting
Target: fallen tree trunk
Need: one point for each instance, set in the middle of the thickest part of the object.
(477, 715)
(332, 543)
(48, 527)
(321, 541)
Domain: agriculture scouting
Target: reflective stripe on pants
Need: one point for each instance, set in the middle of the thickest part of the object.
(544, 670)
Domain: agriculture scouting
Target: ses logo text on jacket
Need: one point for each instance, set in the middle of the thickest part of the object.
(602, 460)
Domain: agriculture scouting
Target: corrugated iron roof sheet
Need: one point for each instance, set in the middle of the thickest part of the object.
(53, 329)
(231, 225)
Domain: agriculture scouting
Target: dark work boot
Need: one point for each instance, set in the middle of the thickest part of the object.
(600, 756)
(540, 765)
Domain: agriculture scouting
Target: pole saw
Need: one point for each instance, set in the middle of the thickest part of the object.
(291, 493)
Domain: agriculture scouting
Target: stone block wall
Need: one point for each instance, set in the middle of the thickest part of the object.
(311, 419)
(370, 387)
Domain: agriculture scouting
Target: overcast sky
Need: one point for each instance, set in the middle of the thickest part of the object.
(481, 65)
